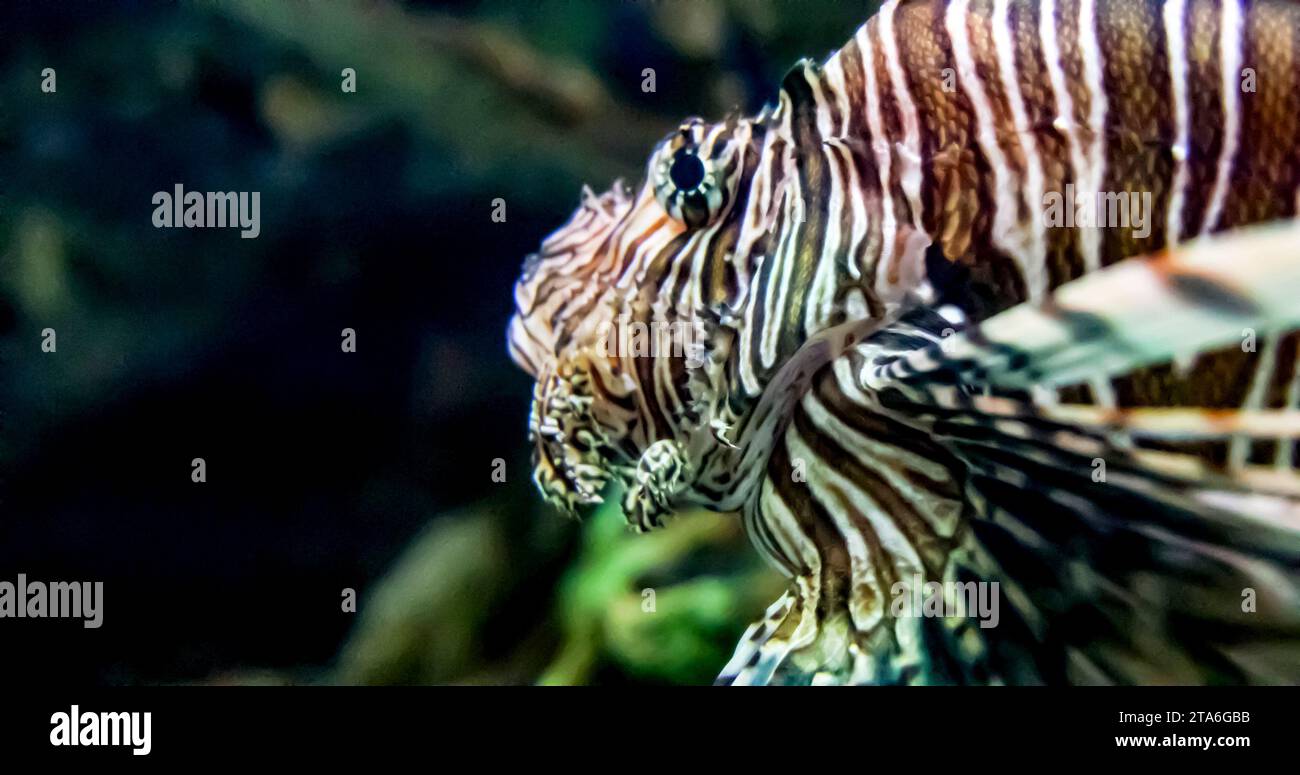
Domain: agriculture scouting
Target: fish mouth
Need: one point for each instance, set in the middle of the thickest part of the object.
(569, 467)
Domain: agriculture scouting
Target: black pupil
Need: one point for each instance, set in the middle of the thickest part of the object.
(687, 171)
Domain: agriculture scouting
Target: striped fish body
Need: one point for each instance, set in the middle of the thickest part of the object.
(955, 162)
(1002, 131)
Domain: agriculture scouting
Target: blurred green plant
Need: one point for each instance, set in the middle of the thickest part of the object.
(667, 606)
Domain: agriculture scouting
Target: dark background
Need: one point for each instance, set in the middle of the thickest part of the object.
(329, 470)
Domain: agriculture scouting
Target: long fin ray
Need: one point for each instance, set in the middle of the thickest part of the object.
(1145, 567)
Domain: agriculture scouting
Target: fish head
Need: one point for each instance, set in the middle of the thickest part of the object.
(626, 267)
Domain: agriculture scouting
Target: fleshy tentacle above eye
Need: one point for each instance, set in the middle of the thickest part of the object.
(930, 461)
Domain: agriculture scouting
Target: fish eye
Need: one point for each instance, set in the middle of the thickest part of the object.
(687, 171)
(686, 182)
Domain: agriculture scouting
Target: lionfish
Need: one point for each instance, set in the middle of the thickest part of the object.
(906, 369)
